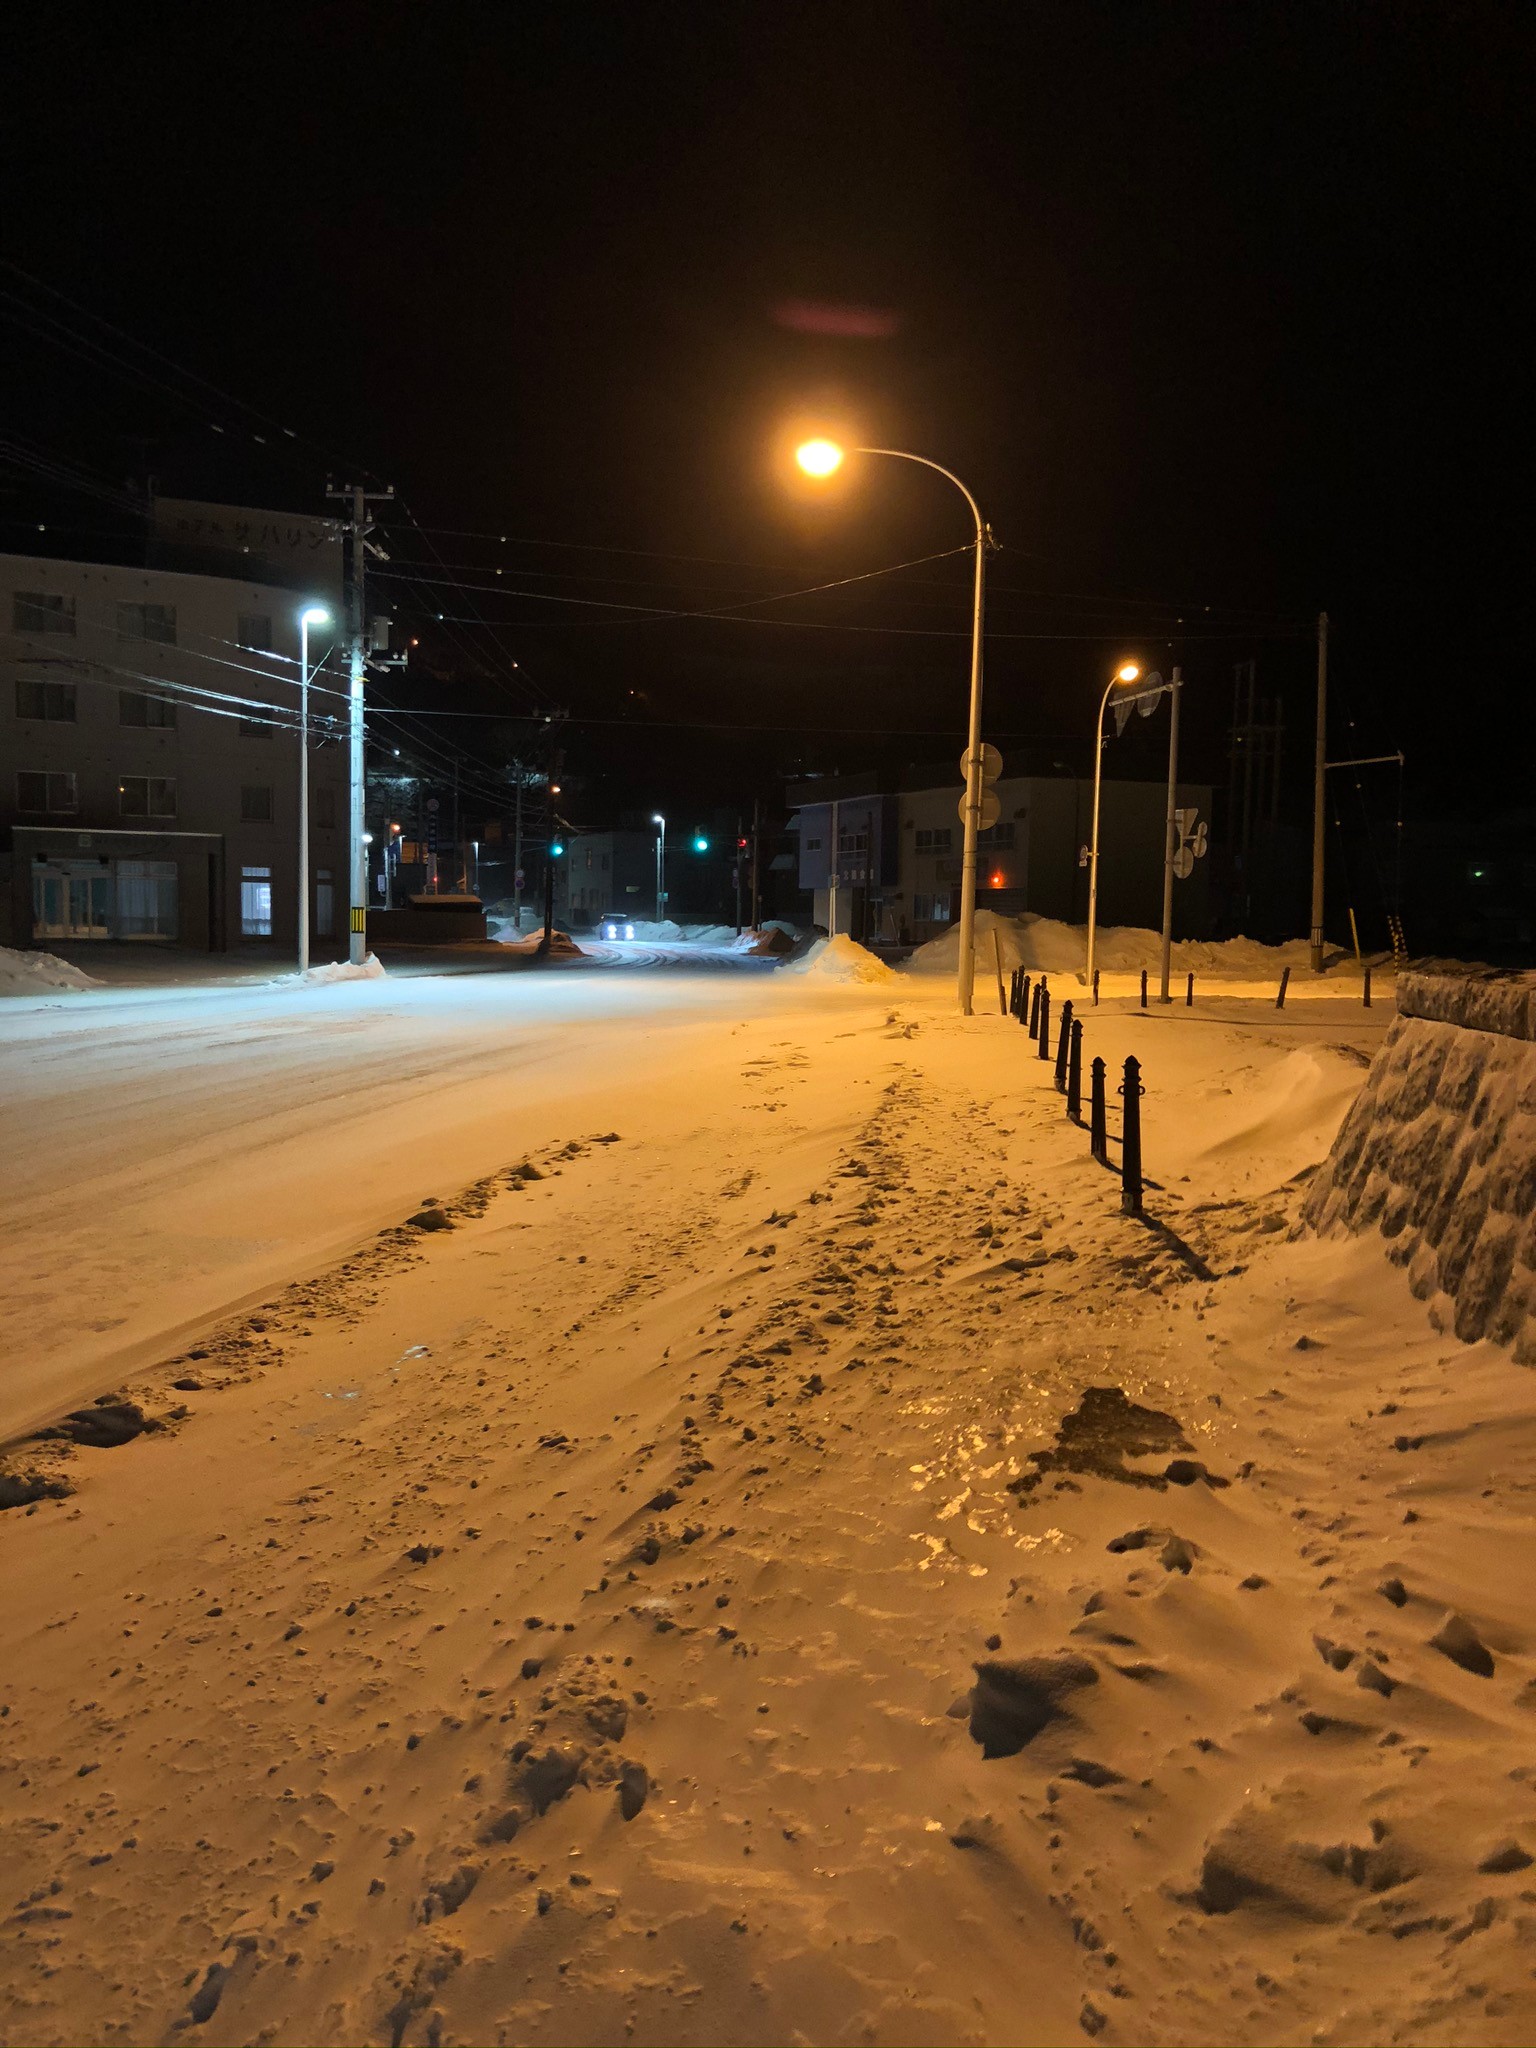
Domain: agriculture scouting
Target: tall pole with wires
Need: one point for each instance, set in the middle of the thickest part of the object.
(358, 528)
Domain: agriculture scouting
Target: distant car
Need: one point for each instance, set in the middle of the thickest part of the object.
(616, 927)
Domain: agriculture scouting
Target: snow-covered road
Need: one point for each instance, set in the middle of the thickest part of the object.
(172, 1152)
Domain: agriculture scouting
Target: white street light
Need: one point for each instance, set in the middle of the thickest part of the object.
(1127, 672)
(820, 458)
(661, 862)
(312, 615)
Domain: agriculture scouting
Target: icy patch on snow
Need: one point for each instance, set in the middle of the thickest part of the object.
(1045, 944)
(371, 969)
(36, 974)
(841, 959)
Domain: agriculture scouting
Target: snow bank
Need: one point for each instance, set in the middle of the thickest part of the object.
(1439, 1153)
(1046, 944)
(37, 974)
(841, 959)
(372, 969)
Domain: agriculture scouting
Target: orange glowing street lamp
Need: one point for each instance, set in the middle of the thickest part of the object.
(821, 458)
(1128, 672)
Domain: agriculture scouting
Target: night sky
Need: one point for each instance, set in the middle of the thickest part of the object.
(1214, 307)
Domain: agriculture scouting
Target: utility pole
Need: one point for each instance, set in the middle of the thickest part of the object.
(833, 863)
(740, 848)
(357, 530)
(756, 901)
(1319, 792)
(1170, 828)
(517, 854)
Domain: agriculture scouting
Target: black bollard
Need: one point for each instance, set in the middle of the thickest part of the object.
(1130, 1146)
(1045, 1022)
(1023, 997)
(1034, 1008)
(1075, 1074)
(1367, 991)
(1189, 993)
(1062, 1041)
(1098, 1126)
(1143, 988)
(1095, 985)
(1285, 976)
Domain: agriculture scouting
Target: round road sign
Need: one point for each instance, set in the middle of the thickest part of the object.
(988, 814)
(991, 762)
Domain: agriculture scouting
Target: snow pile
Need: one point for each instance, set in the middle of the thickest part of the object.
(842, 959)
(1439, 1154)
(36, 974)
(372, 969)
(1045, 944)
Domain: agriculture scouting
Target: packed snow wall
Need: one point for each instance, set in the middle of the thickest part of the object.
(1438, 1152)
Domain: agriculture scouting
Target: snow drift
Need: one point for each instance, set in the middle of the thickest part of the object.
(371, 969)
(1045, 944)
(841, 959)
(39, 974)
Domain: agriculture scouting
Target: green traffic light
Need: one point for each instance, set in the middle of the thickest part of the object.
(557, 849)
(700, 844)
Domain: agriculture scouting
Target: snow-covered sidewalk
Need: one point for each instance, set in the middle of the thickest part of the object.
(788, 1517)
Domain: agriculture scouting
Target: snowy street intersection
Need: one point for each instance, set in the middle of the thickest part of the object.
(562, 1625)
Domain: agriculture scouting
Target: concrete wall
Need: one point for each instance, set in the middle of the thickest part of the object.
(1438, 1152)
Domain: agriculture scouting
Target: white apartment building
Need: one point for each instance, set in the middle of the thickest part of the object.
(149, 760)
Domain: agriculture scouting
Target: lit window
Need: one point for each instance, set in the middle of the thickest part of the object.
(256, 903)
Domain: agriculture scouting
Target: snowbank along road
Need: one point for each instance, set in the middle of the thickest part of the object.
(788, 1558)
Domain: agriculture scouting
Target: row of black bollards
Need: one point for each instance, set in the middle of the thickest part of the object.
(1030, 1001)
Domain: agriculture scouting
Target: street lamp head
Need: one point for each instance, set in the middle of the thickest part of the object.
(1127, 672)
(657, 818)
(314, 615)
(819, 457)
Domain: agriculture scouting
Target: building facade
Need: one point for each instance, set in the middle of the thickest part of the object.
(149, 760)
(605, 874)
(885, 865)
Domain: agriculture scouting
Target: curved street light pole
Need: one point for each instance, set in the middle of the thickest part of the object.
(1128, 672)
(972, 820)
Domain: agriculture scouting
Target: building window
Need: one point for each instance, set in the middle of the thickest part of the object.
(813, 846)
(147, 796)
(38, 791)
(255, 633)
(325, 903)
(935, 839)
(147, 622)
(146, 899)
(325, 809)
(853, 842)
(995, 836)
(256, 903)
(33, 611)
(256, 803)
(255, 728)
(139, 707)
(39, 699)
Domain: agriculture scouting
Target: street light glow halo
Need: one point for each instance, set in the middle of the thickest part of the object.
(1127, 672)
(315, 615)
(819, 457)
